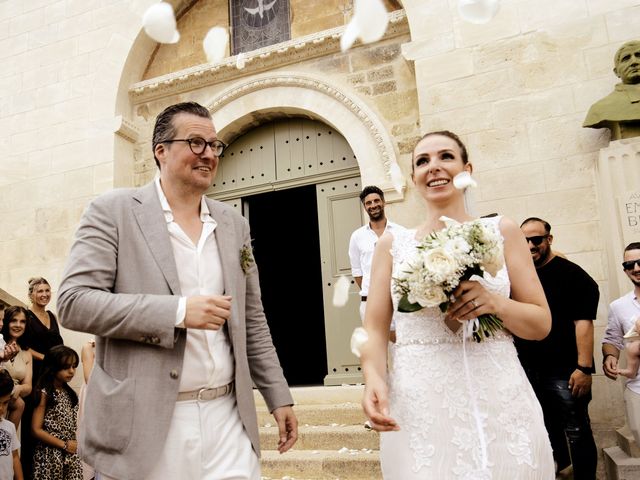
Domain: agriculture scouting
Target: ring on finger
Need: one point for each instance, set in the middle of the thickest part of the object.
(474, 303)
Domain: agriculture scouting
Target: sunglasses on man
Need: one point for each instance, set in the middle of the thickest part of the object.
(536, 239)
(630, 264)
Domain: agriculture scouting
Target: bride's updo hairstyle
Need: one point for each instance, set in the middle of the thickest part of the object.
(452, 136)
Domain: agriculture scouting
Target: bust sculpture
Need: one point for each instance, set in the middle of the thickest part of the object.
(620, 110)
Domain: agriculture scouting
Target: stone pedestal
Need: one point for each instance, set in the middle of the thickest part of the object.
(618, 179)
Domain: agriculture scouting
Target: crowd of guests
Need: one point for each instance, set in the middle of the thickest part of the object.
(35, 396)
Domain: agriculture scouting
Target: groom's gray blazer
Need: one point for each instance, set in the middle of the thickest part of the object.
(121, 284)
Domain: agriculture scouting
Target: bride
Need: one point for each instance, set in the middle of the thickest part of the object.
(452, 408)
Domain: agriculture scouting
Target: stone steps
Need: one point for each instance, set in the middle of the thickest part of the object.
(320, 465)
(353, 437)
(332, 442)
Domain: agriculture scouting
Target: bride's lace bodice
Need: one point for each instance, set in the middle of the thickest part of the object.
(412, 327)
(465, 409)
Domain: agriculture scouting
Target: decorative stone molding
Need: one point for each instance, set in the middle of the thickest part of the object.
(126, 129)
(297, 50)
(292, 80)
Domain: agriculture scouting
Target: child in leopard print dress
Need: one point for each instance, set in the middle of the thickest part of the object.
(55, 419)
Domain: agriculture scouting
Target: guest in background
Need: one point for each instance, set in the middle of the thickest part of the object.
(42, 334)
(19, 367)
(10, 467)
(55, 418)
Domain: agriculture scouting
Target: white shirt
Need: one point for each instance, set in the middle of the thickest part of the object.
(208, 358)
(622, 313)
(361, 246)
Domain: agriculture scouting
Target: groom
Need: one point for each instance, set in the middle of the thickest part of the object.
(165, 279)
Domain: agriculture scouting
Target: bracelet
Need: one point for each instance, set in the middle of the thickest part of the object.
(585, 370)
(66, 445)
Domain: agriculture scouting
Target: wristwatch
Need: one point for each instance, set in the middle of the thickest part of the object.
(585, 370)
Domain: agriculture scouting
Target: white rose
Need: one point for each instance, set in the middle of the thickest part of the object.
(457, 246)
(440, 263)
(427, 297)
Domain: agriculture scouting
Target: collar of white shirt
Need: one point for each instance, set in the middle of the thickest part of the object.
(205, 214)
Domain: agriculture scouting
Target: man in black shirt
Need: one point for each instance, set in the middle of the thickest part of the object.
(560, 366)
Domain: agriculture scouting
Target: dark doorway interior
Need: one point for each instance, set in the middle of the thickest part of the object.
(284, 229)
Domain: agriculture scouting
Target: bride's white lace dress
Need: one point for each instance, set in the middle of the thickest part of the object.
(481, 421)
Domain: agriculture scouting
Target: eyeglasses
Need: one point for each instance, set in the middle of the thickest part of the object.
(537, 239)
(630, 264)
(198, 145)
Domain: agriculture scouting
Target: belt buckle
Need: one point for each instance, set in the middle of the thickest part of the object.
(200, 392)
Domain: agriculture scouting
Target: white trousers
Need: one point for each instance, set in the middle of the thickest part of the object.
(206, 441)
(632, 407)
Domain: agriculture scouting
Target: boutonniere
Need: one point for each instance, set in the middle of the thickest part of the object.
(246, 258)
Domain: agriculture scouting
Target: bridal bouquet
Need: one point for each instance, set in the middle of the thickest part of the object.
(444, 259)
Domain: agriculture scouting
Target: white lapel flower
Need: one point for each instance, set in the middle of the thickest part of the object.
(464, 180)
(159, 23)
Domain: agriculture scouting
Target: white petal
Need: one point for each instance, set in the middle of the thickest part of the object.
(341, 291)
(372, 18)
(349, 35)
(240, 61)
(397, 178)
(215, 44)
(159, 23)
(448, 222)
(358, 339)
(478, 11)
(464, 180)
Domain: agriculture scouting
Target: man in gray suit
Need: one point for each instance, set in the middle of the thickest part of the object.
(165, 279)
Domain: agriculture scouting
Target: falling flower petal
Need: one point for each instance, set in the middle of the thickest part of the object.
(464, 180)
(369, 23)
(397, 178)
(372, 18)
(215, 44)
(358, 339)
(478, 11)
(349, 35)
(448, 222)
(341, 292)
(240, 61)
(159, 23)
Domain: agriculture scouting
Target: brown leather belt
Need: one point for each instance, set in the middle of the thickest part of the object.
(205, 394)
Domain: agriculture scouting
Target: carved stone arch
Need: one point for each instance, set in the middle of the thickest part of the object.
(245, 103)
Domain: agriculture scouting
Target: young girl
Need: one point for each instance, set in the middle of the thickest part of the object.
(54, 418)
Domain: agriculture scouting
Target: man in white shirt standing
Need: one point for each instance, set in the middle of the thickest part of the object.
(623, 313)
(165, 279)
(363, 240)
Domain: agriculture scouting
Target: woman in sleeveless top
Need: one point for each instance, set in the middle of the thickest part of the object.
(453, 408)
(19, 367)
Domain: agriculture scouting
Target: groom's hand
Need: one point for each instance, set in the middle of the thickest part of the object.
(287, 427)
(207, 312)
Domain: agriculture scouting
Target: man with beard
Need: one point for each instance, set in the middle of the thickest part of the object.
(623, 313)
(364, 239)
(560, 366)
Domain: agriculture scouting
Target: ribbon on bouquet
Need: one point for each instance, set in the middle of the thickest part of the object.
(469, 327)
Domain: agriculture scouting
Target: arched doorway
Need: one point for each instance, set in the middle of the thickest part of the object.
(297, 181)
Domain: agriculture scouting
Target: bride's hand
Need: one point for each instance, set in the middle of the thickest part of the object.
(376, 406)
(472, 300)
